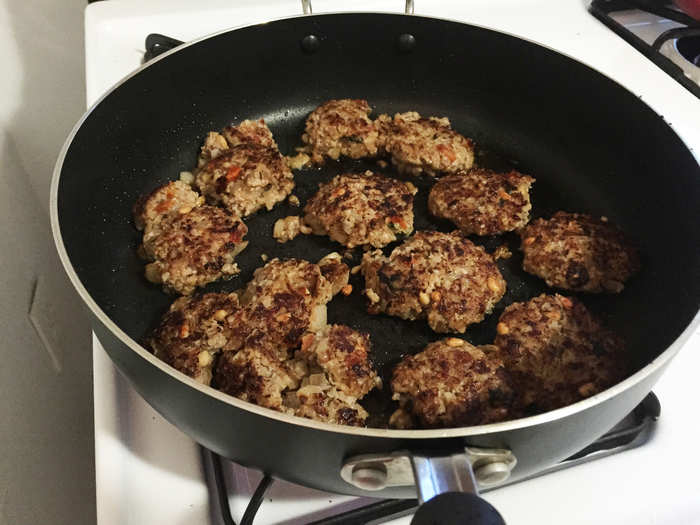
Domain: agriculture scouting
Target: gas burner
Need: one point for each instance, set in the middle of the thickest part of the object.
(229, 482)
(689, 47)
(668, 37)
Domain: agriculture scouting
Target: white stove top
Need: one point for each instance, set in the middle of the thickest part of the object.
(148, 472)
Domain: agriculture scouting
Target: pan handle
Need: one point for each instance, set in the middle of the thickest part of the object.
(448, 492)
(307, 9)
(446, 481)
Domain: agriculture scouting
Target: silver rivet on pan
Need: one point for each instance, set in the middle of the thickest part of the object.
(492, 473)
(310, 43)
(369, 478)
(406, 42)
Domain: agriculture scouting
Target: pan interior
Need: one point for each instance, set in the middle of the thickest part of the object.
(592, 146)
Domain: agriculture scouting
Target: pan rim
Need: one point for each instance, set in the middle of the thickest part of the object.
(660, 361)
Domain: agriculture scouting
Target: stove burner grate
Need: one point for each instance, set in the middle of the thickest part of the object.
(603, 9)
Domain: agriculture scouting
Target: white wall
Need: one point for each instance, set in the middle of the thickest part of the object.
(46, 421)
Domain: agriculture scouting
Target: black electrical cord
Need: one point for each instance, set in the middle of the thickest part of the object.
(258, 496)
(221, 490)
(379, 512)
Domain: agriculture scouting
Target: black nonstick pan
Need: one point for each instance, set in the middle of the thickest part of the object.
(592, 146)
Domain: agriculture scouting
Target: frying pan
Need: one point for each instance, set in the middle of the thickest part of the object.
(593, 147)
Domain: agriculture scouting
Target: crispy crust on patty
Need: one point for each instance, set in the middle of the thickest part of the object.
(443, 277)
(281, 309)
(329, 406)
(429, 145)
(255, 374)
(284, 300)
(483, 202)
(165, 201)
(359, 210)
(193, 332)
(557, 352)
(341, 128)
(193, 247)
(242, 169)
(246, 178)
(249, 132)
(308, 385)
(253, 132)
(451, 383)
(343, 354)
(578, 252)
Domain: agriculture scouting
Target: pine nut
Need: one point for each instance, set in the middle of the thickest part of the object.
(372, 295)
(493, 285)
(204, 358)
(283, 317)
(502, 329)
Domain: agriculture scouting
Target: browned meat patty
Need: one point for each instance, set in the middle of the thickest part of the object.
(483, 202)
(165, 201)
(443, 277)
(557, 352)
(360, 210)
(193, 247)
(429, 145)
(193, 332)
(255, 374)
(293, 386)
(284, 300)
(578, 252)
(242, 169)
(249, 132)
(341, 128)
(329, 406)
(282, 308)
(450, 384)
(197, 330)
(336, 372)
(309, 385)
(245, 340)
(253, 132)
(246, 178)
(343, 354)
